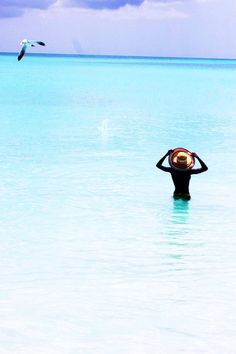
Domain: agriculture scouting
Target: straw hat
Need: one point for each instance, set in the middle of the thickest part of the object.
(181, 159)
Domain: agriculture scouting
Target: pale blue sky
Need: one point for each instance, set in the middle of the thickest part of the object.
(178, 28)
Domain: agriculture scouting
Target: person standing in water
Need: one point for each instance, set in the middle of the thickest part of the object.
(181, 168)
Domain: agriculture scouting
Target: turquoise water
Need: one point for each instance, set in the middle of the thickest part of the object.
(96, 257)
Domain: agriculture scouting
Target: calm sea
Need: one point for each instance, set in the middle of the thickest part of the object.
(95, 256)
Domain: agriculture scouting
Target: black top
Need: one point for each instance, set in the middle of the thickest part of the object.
(181, 180)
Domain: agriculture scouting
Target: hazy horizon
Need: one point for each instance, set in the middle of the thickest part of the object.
(116, 55)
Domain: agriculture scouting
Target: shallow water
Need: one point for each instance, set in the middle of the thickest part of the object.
(96, 257)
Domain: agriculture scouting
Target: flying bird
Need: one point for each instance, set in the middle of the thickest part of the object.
(27, 43)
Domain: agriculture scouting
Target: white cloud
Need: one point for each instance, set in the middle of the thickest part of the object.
(151, 10)
(206, 1)
(148, 10)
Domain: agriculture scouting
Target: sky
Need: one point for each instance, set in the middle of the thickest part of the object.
(163, 28)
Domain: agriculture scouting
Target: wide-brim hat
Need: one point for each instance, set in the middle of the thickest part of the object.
(181, 159)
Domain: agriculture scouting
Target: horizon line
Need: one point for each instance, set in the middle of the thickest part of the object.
(117, 56)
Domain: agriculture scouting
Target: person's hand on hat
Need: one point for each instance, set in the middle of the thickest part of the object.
(194, 154)
(170, 151)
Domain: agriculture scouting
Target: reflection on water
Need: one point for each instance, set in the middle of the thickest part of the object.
(180, 211)
(175, 220)
(178, 221)
(176, 236)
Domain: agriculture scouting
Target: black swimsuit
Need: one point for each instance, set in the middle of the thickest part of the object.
(181, 180)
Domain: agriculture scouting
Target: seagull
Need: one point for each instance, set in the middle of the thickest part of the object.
(27, 43)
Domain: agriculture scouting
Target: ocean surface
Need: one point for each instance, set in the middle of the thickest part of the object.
(95, 256)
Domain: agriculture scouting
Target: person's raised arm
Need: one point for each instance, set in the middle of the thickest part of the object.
(159, 163)
(203, 167)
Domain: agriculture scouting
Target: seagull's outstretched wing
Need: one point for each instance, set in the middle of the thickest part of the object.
(40, 43)
(22, 52)
(32, 42)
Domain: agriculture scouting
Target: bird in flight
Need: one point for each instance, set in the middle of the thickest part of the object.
(27, 43)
